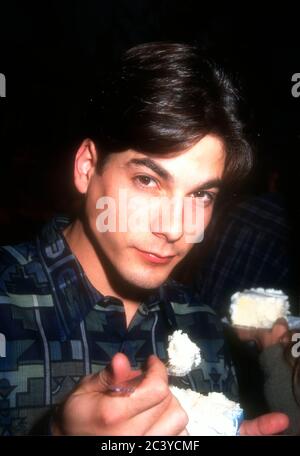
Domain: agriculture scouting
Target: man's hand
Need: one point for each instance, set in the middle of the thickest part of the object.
(92, 409)
(269, 424)
(265, 337)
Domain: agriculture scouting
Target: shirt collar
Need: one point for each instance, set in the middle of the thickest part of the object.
(73, 293)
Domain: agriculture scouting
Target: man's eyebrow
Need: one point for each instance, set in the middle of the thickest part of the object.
(149, 163)
(211, 183)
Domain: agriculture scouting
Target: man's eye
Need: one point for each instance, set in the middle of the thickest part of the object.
(146, 181)
(205, 196)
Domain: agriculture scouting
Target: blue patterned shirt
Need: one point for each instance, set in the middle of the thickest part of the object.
(58, 328)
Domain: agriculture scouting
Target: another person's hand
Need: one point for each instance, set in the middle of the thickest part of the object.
(269, 424)
(265, 337)
(92, 409)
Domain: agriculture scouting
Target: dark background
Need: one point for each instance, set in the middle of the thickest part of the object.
(50, 53)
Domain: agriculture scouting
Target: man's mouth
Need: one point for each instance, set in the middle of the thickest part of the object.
(155, 257)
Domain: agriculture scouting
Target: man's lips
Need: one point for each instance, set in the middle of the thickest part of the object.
(154, 257)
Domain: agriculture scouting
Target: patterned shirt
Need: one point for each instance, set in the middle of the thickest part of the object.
(58, 328)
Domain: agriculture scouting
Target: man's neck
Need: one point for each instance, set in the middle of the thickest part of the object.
(84, 251)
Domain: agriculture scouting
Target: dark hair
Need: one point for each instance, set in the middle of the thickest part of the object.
(163, 98)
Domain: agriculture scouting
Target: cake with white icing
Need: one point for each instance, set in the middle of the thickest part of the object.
(184, 355)
(258, 307)
(209, 415)
(213, 414)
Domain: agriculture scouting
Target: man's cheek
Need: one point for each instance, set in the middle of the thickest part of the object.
(183, 249)
(196, 217)
(138, 215)
(207, 216)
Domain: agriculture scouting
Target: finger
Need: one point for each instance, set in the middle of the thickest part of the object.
(153, 367)
(154, 386)
(184, 433)
(118, 371)
(282, 321)
(151, 394)
(279, 330)
(245, 334)
(269, 424)
(120, 420)
(151, 391)
(172, 422)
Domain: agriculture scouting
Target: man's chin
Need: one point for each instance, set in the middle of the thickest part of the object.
(146, 281)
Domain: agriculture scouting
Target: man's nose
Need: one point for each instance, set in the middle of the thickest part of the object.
(167, 219)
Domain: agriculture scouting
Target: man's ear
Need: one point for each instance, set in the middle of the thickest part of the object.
(85, 165)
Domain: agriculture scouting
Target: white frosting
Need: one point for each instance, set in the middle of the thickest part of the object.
(258, 307)
(183, 354)
(213, 414)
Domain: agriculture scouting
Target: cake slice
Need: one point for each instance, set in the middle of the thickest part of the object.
(209, 415)
(258, 307)
(213, 414)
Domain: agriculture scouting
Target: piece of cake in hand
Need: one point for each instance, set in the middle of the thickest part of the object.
(258, 307)
(213, 414)
(184, 355)
(209, 415)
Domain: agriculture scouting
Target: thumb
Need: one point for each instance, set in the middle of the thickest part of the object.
(280, 329)
(118, 371)
(269, 424)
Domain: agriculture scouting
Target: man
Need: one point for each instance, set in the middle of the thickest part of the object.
(94, 292)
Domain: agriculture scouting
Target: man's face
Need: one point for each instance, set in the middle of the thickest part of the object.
(145, 258)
